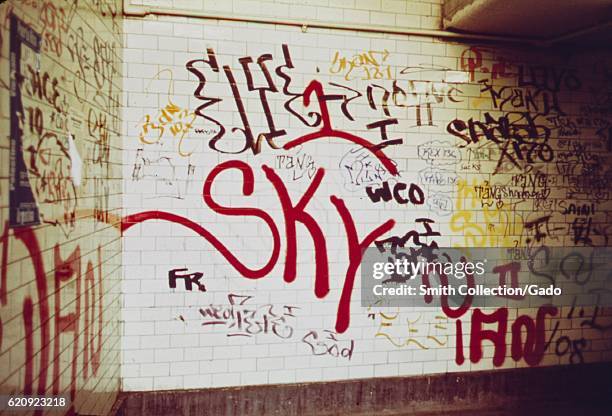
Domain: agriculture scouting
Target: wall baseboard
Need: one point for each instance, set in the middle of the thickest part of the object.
(587, 385)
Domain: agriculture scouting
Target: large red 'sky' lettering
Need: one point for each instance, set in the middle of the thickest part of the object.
(296, 213)
(293, 214)
(247, 189)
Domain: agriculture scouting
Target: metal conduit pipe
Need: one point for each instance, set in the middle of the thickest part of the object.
(142, 11)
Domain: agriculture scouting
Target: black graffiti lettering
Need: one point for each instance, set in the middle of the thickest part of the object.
(385, 98)
(414, 235)
(316, 117)
(270, 87)
(210, 61)
(190, 279)
(382, 125)
(346, 101)
(416, 196)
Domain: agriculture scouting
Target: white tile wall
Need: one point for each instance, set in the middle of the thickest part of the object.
(184, 353)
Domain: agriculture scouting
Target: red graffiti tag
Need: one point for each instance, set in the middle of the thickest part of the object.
(45, 331)
(328, 131)
(248, 182)
(293, 214)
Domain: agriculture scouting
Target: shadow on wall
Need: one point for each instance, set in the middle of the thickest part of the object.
(60, 88)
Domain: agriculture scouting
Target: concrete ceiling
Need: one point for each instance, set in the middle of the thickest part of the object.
(563, 20)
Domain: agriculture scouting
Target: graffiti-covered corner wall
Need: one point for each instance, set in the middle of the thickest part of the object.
(60, 188)
(261, 159)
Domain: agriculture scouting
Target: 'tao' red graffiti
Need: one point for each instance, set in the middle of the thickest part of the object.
(90, 292)
(532, 349)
